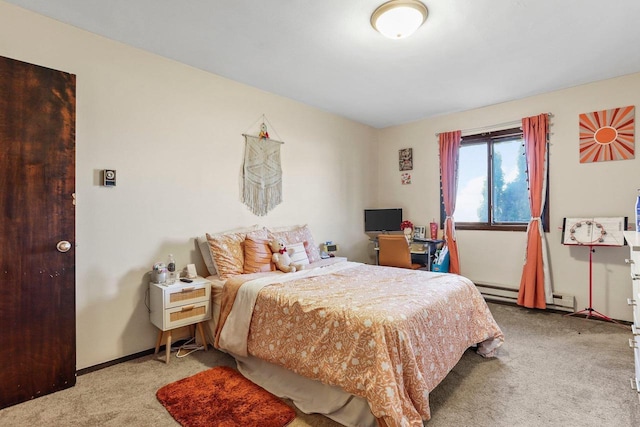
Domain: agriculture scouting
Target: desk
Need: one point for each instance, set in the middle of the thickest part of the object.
(421, 251)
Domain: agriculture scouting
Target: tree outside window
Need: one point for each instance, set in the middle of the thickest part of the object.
(492, 182)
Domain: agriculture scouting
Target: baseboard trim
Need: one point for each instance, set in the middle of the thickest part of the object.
(507, 296)
(114, 362)
(493, 292)
(125, 359)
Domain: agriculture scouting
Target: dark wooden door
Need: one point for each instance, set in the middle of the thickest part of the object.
(37, 210)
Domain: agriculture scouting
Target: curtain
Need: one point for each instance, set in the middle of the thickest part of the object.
(535, 284)
(449, 152)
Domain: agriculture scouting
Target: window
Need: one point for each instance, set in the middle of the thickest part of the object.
(492, 183)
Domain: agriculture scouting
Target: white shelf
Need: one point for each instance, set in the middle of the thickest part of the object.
(633, 240)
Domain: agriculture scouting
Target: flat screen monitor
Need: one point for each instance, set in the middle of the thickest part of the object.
(379, 220)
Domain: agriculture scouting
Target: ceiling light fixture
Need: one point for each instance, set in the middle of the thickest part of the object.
(398, 19)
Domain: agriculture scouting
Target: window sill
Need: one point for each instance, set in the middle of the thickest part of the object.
(487, 227)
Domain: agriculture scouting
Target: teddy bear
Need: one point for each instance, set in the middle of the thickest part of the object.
(282, 257)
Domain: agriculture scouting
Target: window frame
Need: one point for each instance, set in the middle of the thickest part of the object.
(490, 138)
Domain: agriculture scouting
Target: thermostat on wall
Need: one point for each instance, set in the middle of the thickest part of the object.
(109, 177)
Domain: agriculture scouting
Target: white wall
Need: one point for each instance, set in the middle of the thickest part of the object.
(576, 190)
(173, 133)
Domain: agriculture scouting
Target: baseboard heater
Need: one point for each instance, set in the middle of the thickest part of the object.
(492, 292)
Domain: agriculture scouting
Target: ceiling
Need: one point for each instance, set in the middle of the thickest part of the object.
(324, 53)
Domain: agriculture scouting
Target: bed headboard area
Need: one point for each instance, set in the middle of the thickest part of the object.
(224, 252)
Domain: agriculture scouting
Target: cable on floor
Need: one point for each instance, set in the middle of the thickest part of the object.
(188, 347)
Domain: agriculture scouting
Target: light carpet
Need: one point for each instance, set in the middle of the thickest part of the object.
(551, 371)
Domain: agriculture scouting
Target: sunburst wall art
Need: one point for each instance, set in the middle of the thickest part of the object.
(607, 135)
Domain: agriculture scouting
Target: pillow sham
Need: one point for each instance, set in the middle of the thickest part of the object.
(257, 256)
(205, 250)
(299, 255)
(299, 234)
(228, 252)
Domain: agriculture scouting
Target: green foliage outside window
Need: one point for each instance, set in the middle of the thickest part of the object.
(492, 167)
(511, 200)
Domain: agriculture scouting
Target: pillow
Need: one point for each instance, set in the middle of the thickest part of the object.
(257, 255)
(203, 245)
(299, 234)
(205, 250)
(299, 255)
(228, 253)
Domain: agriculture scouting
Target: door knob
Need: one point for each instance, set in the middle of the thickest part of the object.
(63, 246)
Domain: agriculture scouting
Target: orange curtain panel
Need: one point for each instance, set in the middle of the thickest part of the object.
(449, 151)
(535, 284)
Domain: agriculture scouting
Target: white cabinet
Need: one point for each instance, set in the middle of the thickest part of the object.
(177, 305)
(633, 240)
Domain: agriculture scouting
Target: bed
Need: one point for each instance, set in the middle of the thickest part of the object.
(362, 344)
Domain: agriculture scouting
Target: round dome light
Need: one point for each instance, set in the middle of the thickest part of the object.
(398, 19)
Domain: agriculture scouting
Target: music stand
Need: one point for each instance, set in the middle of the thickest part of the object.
(593, 232)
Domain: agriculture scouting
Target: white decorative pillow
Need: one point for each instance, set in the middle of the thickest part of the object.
(205, 248)
(299, 255)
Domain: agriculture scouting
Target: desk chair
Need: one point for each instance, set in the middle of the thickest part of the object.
(395, 252)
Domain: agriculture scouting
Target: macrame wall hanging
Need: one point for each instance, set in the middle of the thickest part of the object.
(261, 172)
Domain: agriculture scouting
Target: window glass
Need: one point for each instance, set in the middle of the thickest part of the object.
(472, 184)
(493, 189)
(510, 193)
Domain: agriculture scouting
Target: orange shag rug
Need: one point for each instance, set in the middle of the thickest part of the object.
(222, 397)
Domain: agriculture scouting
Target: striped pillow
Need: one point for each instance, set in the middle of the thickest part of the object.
(299, 255)
(257, 256)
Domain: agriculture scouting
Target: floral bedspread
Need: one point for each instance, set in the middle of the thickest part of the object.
(386, 334)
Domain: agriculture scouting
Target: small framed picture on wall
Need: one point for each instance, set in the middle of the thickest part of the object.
(406, 159)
